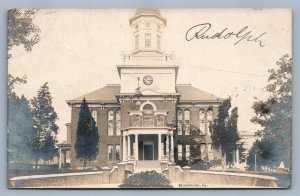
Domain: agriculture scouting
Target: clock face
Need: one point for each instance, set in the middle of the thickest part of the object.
(148, 80)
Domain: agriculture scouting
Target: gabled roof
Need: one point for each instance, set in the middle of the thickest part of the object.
(190, 93)
(109, 92)
(106, 93)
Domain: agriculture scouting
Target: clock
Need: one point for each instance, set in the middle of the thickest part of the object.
(148, 80)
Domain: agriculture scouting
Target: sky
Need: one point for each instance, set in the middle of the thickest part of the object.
(79, 50)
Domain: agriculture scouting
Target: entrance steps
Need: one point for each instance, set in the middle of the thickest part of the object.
(147, 166)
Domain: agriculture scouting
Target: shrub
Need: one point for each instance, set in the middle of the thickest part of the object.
(146, 179)
(201, 164)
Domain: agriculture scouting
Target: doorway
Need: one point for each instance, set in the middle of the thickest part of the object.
(148, 150)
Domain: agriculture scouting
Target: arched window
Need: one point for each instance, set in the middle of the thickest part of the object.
(179, 151)
(179, 122)
(148, 117)
(117, 151)
(209, 118)
(110, 116)
(118, 123)
(148, 40)
(187, 122)
(202, 121)
(110, 152)
(94, 115)
(187, 152)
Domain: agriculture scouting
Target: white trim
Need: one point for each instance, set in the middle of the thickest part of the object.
(148, 102)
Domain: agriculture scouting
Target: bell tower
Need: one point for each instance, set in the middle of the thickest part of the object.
(147, 64)
(147, 28)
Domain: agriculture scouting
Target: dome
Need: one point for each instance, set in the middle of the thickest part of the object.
(147, 11)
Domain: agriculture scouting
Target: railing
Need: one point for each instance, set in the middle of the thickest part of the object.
(145, 59)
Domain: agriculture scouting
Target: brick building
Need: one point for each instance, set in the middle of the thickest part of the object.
(148, 116)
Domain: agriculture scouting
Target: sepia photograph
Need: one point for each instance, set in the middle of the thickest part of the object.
(149, 98)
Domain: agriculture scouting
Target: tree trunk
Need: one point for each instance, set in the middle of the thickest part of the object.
(36, 159)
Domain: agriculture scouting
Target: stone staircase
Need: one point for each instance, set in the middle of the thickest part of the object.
(147, 166)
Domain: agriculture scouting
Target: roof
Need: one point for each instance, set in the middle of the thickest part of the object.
(190, 93)
(147, 11)
(109, 92)
(106, 93)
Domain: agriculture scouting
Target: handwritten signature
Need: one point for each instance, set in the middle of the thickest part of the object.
(201, 31)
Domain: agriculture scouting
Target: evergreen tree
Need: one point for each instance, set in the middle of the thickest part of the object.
(224, 130)
(44, 121)
(275, 116)
(87, 136)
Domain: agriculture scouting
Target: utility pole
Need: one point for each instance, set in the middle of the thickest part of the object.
(254, 162)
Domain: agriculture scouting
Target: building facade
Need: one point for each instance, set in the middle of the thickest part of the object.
(148, 116)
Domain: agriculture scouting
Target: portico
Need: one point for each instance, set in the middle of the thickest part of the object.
(148, 143)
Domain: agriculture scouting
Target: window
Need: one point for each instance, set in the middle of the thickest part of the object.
(187, 122)
(135, 120)
(160, 120)
(187, 152)
(158, 41)
(179, 122)
(118, 123)
(209, 115)
(209, 147)
(118, 152)
(179, 152)
(209, 119)
(148, 117)
(110, 152)
(147, 40)
(137, 42)
(94, 115)
(202, 122)
(202, 149)
(110, 122)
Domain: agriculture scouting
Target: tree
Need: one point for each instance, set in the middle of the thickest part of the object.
(87, 136)
(44, 121)
(224, 131)
(20, 130)
(275, 115)
(21, 29)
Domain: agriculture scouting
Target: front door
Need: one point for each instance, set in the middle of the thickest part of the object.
(148, 151)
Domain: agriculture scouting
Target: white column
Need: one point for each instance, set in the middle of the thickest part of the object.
(167, 146)
(159, 146)
(172, 149)
(128, 146)
(237, 156)
(136, 147)
(124, 148)
(60, 154)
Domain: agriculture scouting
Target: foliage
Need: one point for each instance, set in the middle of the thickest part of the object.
(21, 29)
(146, 179)
(224, 130)
(183, 162)
(21, 135)
(87, 136)
(20, 130)
(275, 116)
(201, 164)
(44, 121)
